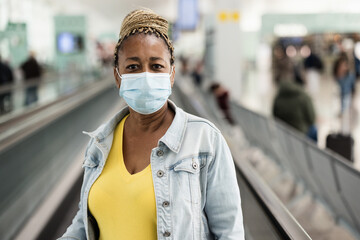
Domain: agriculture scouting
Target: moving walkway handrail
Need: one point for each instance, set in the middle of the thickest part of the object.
(23, 85)
(47, 79)
(22, 126)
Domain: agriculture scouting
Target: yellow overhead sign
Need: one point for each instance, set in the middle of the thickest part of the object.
(222, 16)
(228, 16)
(236, 16)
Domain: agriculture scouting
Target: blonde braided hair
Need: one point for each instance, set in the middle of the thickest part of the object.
(147, 22)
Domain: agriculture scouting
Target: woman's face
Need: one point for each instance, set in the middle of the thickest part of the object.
(144, 53)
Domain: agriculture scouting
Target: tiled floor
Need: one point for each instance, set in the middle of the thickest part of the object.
(259, 91)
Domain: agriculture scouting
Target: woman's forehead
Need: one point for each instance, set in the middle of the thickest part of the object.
(144, 44)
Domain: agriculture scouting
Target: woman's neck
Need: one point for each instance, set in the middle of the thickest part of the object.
(139, 123)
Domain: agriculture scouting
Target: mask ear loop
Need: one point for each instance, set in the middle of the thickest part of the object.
(118, 73)
(172, 70)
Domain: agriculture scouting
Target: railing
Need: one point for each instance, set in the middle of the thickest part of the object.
(23, 125)
(328, 176)
(24, 96)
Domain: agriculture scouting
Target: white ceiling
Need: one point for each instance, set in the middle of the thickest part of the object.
(107, 15)
(115, 9)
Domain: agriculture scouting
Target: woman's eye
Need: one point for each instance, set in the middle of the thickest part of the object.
(132, 67)
(157, 66)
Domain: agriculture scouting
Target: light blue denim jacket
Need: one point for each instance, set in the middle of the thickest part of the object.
(196, 191)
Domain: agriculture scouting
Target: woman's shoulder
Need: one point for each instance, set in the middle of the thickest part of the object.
(199, 122)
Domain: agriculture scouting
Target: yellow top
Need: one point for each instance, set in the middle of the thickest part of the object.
(123, 204)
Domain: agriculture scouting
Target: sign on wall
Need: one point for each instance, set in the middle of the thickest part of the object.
(70, 41)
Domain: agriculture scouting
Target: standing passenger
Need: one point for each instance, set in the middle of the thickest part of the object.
(346, 81)
(223, 100)
(32, 73)
(6, 78)
(313, 66)
(293, 106)
(154, 171)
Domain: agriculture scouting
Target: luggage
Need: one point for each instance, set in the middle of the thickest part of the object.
(342, 144)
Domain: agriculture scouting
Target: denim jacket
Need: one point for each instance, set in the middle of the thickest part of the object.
(196, 191)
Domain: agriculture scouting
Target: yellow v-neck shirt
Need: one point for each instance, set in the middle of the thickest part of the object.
(123, 204)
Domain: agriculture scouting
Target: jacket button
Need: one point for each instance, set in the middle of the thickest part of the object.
(194, 165)
(160, 173)
(165, 204)
(160, 153)
(166, 234)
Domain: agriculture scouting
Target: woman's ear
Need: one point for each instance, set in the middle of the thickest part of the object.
(117, 77)
(172, 76)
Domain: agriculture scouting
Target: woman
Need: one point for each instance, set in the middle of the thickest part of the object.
(154, 171)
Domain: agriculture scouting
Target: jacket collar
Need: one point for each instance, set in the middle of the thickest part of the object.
(175, 133)
(172, 138)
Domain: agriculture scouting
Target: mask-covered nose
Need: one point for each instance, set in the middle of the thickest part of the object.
(145, 92)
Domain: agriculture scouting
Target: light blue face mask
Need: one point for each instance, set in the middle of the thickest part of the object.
(145, 92)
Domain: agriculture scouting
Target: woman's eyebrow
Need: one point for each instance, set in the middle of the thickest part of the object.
(156, 58)
(133, 59)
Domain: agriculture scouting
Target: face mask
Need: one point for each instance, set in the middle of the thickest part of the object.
(145, 92)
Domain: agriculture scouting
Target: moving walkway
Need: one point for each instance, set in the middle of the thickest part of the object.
(41, 168)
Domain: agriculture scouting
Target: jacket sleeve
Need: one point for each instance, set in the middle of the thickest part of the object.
(76, 231)
(223, 203)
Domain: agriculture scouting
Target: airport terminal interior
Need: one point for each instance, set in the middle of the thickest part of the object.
(279, 78)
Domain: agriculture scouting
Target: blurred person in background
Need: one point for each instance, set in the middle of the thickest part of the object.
(197, 74)
(154, 171)
(294, 106)
(186, 82)
(6, 78)
(357, 57)
(280, 64)
(222, 98)
(101, 54)
(314, 67)
(184, 67)
(104, 51)
(346, 81)
(357, 65)
(32, 73)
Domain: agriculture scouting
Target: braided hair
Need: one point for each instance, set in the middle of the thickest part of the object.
(147, 22)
